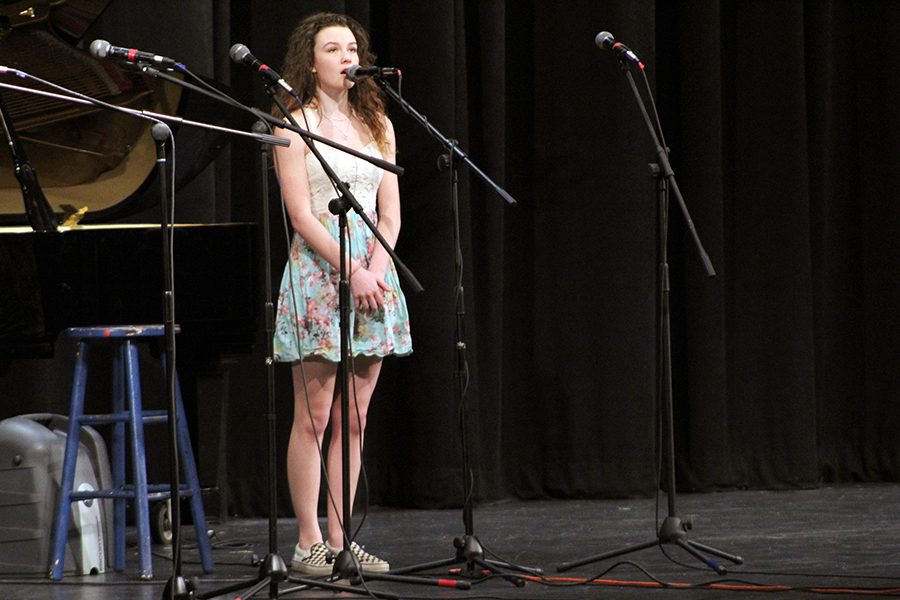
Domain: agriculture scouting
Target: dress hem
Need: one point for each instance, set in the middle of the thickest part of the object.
(335, 360)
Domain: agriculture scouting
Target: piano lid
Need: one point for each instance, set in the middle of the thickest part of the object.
(84, 156)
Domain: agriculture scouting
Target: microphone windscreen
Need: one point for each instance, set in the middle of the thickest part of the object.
(238, 52)
(604, 40)
(99, 48)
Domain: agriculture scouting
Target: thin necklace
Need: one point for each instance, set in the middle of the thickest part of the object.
(345, 133)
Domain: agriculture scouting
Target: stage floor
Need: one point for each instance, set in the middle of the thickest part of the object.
(838, 540)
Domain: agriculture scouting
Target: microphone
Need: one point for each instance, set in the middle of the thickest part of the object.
(240, 54)
(606, 41)
(103, 49)
(357, 73)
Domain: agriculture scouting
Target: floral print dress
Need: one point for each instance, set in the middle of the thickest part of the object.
(307, 321)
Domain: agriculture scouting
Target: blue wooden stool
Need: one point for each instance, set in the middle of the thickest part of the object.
(126, 412)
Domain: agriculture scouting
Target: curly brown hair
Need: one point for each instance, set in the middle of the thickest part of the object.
(365, 97)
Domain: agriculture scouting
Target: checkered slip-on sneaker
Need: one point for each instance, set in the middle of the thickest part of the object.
(315, 561)
(369, 563)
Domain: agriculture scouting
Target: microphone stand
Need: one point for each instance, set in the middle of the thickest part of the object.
(271, 120)
(468, 549)
(176, 587)
(673, 529)
(37, 208)
(345, 564)
(272, 569)
(145, 114)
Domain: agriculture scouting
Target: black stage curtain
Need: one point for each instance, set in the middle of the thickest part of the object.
(783, 137)
(782, 124)
(782, 121)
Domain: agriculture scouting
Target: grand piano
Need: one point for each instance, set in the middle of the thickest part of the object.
(97, 168)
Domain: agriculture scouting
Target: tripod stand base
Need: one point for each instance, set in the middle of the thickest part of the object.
(470, 554)
(271, 572)
(346, 568)
(672, 531)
